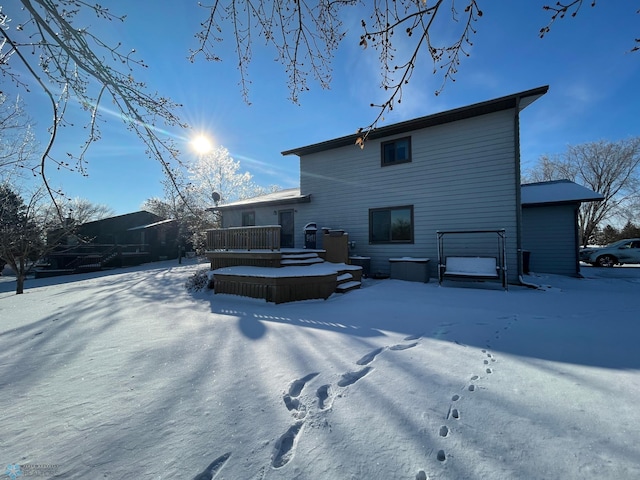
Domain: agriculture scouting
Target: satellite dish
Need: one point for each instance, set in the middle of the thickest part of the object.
(216, 197)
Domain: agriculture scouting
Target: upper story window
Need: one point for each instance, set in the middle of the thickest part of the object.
(248, 219)
(391, 225)
(396, 151)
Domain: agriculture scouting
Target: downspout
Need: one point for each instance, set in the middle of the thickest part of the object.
(519, 199)
(518, 187)
(577, 240)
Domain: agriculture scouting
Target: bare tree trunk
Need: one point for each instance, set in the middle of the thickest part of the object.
(21, 275)
(20, 283)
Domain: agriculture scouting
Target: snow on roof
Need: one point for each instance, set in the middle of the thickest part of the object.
(281, 196)
(558, 191)
(151, 225)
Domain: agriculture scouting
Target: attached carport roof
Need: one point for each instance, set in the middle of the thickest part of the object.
(281, 197)
(557, 192)
(516, 100)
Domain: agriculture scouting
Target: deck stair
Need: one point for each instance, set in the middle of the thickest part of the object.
(108, 259)
(349, 278)
(294, 283)
(347, 282)
(300, 259)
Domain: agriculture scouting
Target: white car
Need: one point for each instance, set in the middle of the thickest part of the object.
(620, 252)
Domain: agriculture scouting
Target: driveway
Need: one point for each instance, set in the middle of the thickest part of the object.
(631, 272)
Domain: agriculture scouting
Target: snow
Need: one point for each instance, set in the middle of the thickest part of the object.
(126, 374)
(313, 269)
(557, 191)
(407, 259)
(279, 196)
(471, 266)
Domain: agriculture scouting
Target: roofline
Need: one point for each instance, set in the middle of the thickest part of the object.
(477, 109)
(265, 203)
(120, 216)
(560, 202)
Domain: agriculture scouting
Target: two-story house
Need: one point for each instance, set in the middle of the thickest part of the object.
(455, 171)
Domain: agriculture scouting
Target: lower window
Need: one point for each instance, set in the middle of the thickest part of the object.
(391, 225)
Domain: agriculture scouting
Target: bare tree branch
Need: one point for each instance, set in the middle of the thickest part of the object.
(73, 61)
(609, 168)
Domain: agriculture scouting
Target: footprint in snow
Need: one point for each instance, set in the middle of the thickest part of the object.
(403, 346)
(421, 475)
(370, 357)
(350, 378)
(214, 467)
(444, 431)
(296, 387)
(285, 446)
(291, 403)
(323, 395)
(417, 336)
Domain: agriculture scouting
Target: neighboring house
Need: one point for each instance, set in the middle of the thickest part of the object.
(129, 239)
(550, 225)
(456, 170)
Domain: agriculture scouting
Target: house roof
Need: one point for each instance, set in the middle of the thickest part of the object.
(132, 215)
(557, 192)
(151, 225)
(541, 193)
(516, 100)
(287, 196)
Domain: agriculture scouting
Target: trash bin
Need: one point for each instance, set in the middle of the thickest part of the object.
(410, 269)
(310, 232)
(364, 262)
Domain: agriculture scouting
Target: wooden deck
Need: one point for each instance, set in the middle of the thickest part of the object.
(278, 289)
(283, 275)
(287, 284)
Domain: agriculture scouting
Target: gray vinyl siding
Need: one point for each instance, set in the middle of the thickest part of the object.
(463, 175)
(550, 234)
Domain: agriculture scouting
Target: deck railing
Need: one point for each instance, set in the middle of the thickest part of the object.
(244, 238)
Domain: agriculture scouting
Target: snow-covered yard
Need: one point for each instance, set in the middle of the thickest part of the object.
(126, 374)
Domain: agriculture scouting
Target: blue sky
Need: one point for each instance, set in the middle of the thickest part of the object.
(593, 92)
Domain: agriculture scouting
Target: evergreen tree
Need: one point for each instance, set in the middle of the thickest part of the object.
(21, 239)
(630, 230)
